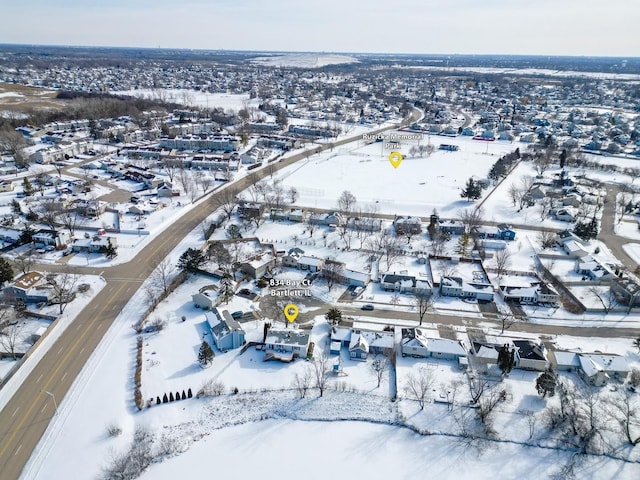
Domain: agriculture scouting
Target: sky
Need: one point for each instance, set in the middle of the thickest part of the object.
(540, 27)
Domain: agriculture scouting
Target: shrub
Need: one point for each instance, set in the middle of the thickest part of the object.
(113, 430)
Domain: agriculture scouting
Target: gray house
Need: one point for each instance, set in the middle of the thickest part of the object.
(226, 332)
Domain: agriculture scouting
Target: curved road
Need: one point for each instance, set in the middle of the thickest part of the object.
(26, 416)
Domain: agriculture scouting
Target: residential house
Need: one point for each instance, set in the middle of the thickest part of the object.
(204, 299)
(6, 186)
(249, 210)
(365, 342)
(286, 344)
(417, 342)
(259, 264)
(393, 282)
(312, 264)
(592, 268)
(166, 189)
(407, 225)
(226, 332)
(453, 227)
(530, 355)
(457, 287)
(30, 287)
(95, 244)
(626, 290)
(535, 293)
(57, 239)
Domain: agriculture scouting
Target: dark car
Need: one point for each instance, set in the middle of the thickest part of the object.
(237, 315)
(368, 306)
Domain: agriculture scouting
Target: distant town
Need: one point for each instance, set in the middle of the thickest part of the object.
(448, 247)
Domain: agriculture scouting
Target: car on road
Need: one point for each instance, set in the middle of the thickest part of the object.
(368, 306)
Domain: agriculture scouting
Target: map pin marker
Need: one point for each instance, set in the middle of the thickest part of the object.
(291, 312)
(395, 158)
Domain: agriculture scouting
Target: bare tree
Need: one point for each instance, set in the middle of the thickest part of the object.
(546, 239)
(418, 386)
(63, 285)
(203, 181)
(311, 224)
(13, 142)
(506, 319)
(332, 272)
(170, 167)
(321, 371)
(544, 207)
(487, 403)
(625, 407)
(526, 184)
(226, 200)
(378, 367)
(423, 301)
(438, 240)
(71, 219)
(9, 339)
(515, 193)
(387, 246)
(302, 381)
(24, 262)
(502, 260)
(346, 203)
(543, 161)
(605, 296)
(472, 219)
(161, 275)
(49, 211)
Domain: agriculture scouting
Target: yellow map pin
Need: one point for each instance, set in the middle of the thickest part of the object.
(291, 312)
(395, 158)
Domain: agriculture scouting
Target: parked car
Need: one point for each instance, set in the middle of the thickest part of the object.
(237, 315)
(368, 306)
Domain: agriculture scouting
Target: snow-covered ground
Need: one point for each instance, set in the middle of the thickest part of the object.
(194, 98)
(304, 60)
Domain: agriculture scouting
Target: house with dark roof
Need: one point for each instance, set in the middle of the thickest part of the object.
(530, 355)
(394, 282)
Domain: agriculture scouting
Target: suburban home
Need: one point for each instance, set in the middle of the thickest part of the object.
(365, 224)
(407, 225)
(417, 342)
(567, 214)
(536, 293)
(166, 189)
(365, 342)
(258, 265)
(594, 368)
(6, 186)
(226, 332)
(354, 279)
(626, 290)
(453, 227)
(30, 287)
(286, 344)
(57, 239)
(250, 210)
(593, 269)
(292, 257)
(393, 282)
(574, 249)
(93, 245)
(312, 264)
(204, 299)
(530, 355)
(456, 287)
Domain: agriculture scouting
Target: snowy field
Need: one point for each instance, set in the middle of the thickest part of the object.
(194, 98)
(416, 187)
(285, 449)
(304, 60)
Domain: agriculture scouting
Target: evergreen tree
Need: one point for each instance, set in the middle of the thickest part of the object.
(189, 394)
(165, 399)
(226, 288)
(27, 187)
(586, 230)
(191, 260)
(505, 359)
(184, 395)
(177, 396)
(472, 190)
(205, 355)
(6, 271)
(546, 383)
(158, 402)
(462, 248)
(171, 399)
(333, 316)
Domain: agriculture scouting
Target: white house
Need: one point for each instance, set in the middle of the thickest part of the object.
(286, 344)
(226, 332)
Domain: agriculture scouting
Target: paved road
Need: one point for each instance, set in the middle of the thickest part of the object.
(607, 232)
(26, 416)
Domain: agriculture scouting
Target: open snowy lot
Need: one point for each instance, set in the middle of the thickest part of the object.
(416, 187)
